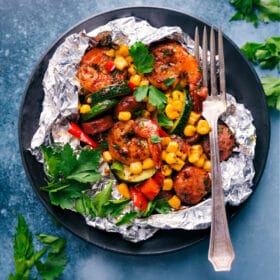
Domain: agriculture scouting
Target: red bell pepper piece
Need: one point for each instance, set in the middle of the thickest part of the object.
(161, 132)
(159, 177)
(132, 86)
(138, 199)
(76, 131)
(110, 65)
(150, 188)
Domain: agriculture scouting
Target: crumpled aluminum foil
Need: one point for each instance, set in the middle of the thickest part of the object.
(61, 101)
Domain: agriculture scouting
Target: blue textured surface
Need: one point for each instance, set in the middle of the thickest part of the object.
(27, 28)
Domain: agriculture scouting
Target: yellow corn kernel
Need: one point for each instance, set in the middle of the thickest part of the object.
(178, 165)
(131, 70)
(177, 95)
(193, 157)
(110, 53)
(89, 100)
(184, 156)
(123, 50)
(123, 190)
(84, 109)
(144, 82)
(197, 149)
(165, 141)
(170, 158)
(167, 184)
(174, 202)
(150, 107)
(189, 130)
(135, 79)
(146, 114)
(163, 155)
(203, 127)
(148, 163)
(124, 116)
(172, 147)
(169, 100)
(178, 105)
(129, 59)
(200, 162)
(207, 165)
(135, 167)
(166, 170)
(193, 118)
(107, 156)
(171, 113)
(120, 63)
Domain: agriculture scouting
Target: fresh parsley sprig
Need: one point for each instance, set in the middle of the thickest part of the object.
(49, 261)
(142, 59)
(256, 10)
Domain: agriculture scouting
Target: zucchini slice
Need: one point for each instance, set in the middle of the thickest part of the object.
(180, 123)
(125, 175)
(99, 108)
(109, 92)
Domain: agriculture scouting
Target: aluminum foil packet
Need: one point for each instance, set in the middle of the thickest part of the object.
(60, 103)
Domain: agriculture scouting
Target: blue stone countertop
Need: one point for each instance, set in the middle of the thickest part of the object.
(27, 29)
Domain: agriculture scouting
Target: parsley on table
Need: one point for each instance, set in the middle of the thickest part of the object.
(155, 96)
(142, 59)
(266, 54)
(271, 87)
(256, 10)
(49, 261)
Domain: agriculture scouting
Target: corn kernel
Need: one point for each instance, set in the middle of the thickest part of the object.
(189, 130)
(135, 79)
(207, 165)
(123, 190)
(110, 53)
(123, 50)
(120, 63)
(171, 113)
(163, 155)
(85, 108)
(167, 184)
(177, 95)
(193, 118)
(174, 202)
(170, 158)
(124, 116)
(172, 147)
(200, 162)
(165, 141)
(129, 59)
(107, 156)
(131, 70)
(146, 114)
(148, 163)
(135, 167)
(150, 107)
(178, 105)
(178, 165)
(144, 83)
(89, 100)
(193, 157)
(166, 170)
(197, 149)
(203, 127)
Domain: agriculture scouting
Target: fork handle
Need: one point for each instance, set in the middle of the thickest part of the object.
(221, 253)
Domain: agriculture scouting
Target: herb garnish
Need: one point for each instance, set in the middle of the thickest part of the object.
(49, 261)
(142, 59)
(256, 10)
(271, 87)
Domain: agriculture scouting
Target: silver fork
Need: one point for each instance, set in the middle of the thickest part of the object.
(221, 253)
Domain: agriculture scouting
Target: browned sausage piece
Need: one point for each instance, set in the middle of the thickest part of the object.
(97, 126)
(226, 142)
(129, 103)
(191, 184)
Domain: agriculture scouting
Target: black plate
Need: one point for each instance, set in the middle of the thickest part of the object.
(242, 82)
